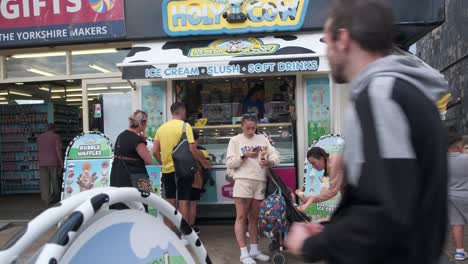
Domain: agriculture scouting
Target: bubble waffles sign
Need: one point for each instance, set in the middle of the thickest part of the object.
(88, 163)
(208, 17)
(57, 21)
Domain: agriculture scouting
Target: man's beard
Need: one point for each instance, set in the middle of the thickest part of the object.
(338, 75)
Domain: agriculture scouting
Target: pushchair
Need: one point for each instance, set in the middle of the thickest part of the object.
(276, 186)
(90, 232)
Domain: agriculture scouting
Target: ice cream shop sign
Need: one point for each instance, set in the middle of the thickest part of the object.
(208, 17)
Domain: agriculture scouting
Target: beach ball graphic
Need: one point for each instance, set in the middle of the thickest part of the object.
(101, 6)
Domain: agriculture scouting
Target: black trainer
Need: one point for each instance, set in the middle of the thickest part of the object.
(196, 229)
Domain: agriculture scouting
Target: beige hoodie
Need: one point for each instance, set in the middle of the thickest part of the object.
(249, 168)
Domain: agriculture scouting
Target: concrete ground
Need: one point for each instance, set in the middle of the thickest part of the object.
(218, 238)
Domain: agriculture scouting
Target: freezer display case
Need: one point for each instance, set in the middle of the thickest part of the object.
(216, 139)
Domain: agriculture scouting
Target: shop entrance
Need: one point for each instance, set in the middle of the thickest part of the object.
(73, 105)
(214, 109)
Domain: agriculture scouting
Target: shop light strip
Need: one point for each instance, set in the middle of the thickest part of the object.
(74, 90)
(22, 94)
(74, 95)
(40, 72)
(62, 53)
(96, 51)
(74, 100)
(99, 68)
(3, 103)
(113, 93)
(44, 89)
(58, 91)
(3, 98)
(3, 93)
(121, 87)
(56, 97)
(97, 88)
(39, 55)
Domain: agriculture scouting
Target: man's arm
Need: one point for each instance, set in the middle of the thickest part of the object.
(157, 151)
(58, 151)
(190, 139)
(384, 180)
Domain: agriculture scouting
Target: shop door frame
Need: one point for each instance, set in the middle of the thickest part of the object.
(85, 83)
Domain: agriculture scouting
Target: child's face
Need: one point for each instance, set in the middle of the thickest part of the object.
(318, 164)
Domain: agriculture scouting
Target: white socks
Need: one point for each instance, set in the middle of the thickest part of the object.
(253, 251)
(460, 250)
(244, 252)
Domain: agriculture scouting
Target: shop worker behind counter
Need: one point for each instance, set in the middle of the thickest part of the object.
(393, 208)
(166, 138)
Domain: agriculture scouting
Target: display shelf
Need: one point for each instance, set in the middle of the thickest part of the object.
(19, 127)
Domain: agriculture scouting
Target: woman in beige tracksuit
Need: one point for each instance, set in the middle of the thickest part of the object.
(248, 156)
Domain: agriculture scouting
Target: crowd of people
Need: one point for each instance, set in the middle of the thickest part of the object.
(392, 176)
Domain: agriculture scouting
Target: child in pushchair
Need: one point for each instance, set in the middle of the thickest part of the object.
(277, 212)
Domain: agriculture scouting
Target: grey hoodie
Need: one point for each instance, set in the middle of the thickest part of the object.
(393, 209)
(408, 68)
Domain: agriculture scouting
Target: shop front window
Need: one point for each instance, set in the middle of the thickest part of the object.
(214, 108)
(36, 65)
(96, 61)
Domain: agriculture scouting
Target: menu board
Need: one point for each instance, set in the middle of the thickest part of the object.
(88, 163)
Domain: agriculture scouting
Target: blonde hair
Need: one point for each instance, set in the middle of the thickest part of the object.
(134, 120)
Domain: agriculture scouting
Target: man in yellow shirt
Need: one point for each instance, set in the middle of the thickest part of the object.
(166, 138)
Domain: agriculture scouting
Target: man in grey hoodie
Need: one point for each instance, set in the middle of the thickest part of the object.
(458, 192)
(393, 208)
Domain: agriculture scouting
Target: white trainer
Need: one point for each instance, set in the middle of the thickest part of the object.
(260, 256)
(247, 260)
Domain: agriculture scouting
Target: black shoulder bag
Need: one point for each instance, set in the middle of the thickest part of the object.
(184, 163)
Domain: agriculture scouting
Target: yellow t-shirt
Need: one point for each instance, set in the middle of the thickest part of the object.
(168, 136)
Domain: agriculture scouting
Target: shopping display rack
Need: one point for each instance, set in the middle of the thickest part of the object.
(89, 232)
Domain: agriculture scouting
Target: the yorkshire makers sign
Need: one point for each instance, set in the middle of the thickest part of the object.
(57, 21)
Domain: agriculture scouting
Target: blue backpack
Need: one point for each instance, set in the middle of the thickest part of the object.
(272, 219)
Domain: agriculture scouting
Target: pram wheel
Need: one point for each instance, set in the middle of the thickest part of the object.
(278, 258)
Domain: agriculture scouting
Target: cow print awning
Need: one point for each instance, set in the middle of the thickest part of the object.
(225, 57)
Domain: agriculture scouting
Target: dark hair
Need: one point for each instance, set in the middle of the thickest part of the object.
(318, 153)
(369, 22)
(176, 107)
(195, 135)
(454, 138)
(249, 117)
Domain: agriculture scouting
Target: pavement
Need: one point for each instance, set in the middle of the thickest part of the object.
(218, 238)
